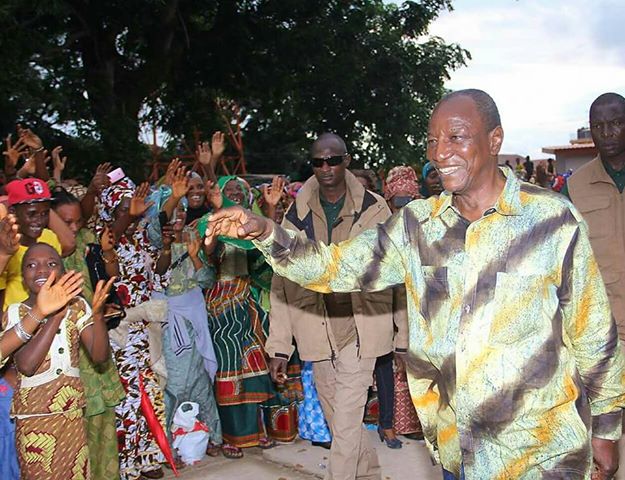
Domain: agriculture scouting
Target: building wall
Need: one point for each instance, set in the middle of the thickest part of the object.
(571, 159)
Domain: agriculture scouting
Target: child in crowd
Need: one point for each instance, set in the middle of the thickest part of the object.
(29, 200)
(50, 433)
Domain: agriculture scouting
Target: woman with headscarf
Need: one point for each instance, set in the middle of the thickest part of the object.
(103, 390)
(187, 344)
(431, 181)
(238, 326)
(122, 207)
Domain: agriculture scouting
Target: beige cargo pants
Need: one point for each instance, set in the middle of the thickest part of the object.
(342, 390)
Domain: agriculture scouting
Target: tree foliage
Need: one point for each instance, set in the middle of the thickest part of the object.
(86, 72)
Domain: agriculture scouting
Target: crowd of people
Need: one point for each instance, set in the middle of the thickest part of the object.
(116, 314)
(137, 315)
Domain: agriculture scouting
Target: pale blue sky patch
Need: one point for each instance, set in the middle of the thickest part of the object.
(542, 61)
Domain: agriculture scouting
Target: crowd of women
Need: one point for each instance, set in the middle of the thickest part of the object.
(116, 315)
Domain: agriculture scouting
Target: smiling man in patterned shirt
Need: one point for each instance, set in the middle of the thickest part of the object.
(515, 366)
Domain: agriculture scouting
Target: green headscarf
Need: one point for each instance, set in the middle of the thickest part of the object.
(202, 224)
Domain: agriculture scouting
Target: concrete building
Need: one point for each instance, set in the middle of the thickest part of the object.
(575, 154)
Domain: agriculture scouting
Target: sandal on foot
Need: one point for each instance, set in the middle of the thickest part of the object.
(177, 462)
(153, 474)
(212, 450)
(393, 443)
(266, 443)
(230, 451)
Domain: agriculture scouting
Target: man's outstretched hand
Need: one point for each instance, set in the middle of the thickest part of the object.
(236, 222)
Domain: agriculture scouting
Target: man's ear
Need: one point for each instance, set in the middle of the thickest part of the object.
(495, 139)
(348, 160)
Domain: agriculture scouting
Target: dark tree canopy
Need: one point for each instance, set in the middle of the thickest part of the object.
(86, 72)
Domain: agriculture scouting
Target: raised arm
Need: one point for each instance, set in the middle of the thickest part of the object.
(178, 181)
(98, 183)
(272, 194)
(58, 164)
(369, 262)
(51, 300)
(94, 333)
(107, 244)
(9, 239)
(64, 234)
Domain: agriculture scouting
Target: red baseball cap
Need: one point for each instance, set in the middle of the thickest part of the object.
(28, 190)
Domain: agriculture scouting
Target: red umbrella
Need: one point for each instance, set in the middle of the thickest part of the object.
(155, 426)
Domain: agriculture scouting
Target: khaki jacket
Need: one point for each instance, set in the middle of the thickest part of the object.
(300, 313)
(595, 195)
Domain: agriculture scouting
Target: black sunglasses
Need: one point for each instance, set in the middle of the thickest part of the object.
(332, 161)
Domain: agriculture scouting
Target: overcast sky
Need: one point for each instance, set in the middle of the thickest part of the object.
(543, 61)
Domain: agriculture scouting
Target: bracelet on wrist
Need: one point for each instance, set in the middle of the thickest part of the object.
(34, 317)
(22, 334)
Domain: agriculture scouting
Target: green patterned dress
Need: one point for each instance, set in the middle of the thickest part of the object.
(103, 390)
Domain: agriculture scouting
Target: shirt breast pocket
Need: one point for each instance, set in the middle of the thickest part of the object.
(435, 301)
(518, 309)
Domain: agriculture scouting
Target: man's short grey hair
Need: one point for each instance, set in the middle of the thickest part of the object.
(486, 106)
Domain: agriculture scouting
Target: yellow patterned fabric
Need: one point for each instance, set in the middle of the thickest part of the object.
(514, 358)
(53, 447)
(55, 387)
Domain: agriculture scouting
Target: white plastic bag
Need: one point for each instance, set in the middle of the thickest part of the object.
(190, 435)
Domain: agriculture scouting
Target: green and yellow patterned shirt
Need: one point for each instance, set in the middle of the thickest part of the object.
(514, 357)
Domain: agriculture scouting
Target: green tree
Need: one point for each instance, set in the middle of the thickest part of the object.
(362, 68)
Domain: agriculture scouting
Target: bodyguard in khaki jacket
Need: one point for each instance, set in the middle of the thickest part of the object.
(596, 189)
(300, 313)
(341, 333)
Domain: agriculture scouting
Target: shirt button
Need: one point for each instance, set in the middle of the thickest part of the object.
(61, 350)
(467, 308)
(58, 332)
(59, 371)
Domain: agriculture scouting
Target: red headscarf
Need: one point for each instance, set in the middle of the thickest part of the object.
(401, 179)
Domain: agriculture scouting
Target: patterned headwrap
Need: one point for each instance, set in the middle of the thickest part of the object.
(135, 254)
(401, 179)
(222, 181)
(111, 197)
(78, 190)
